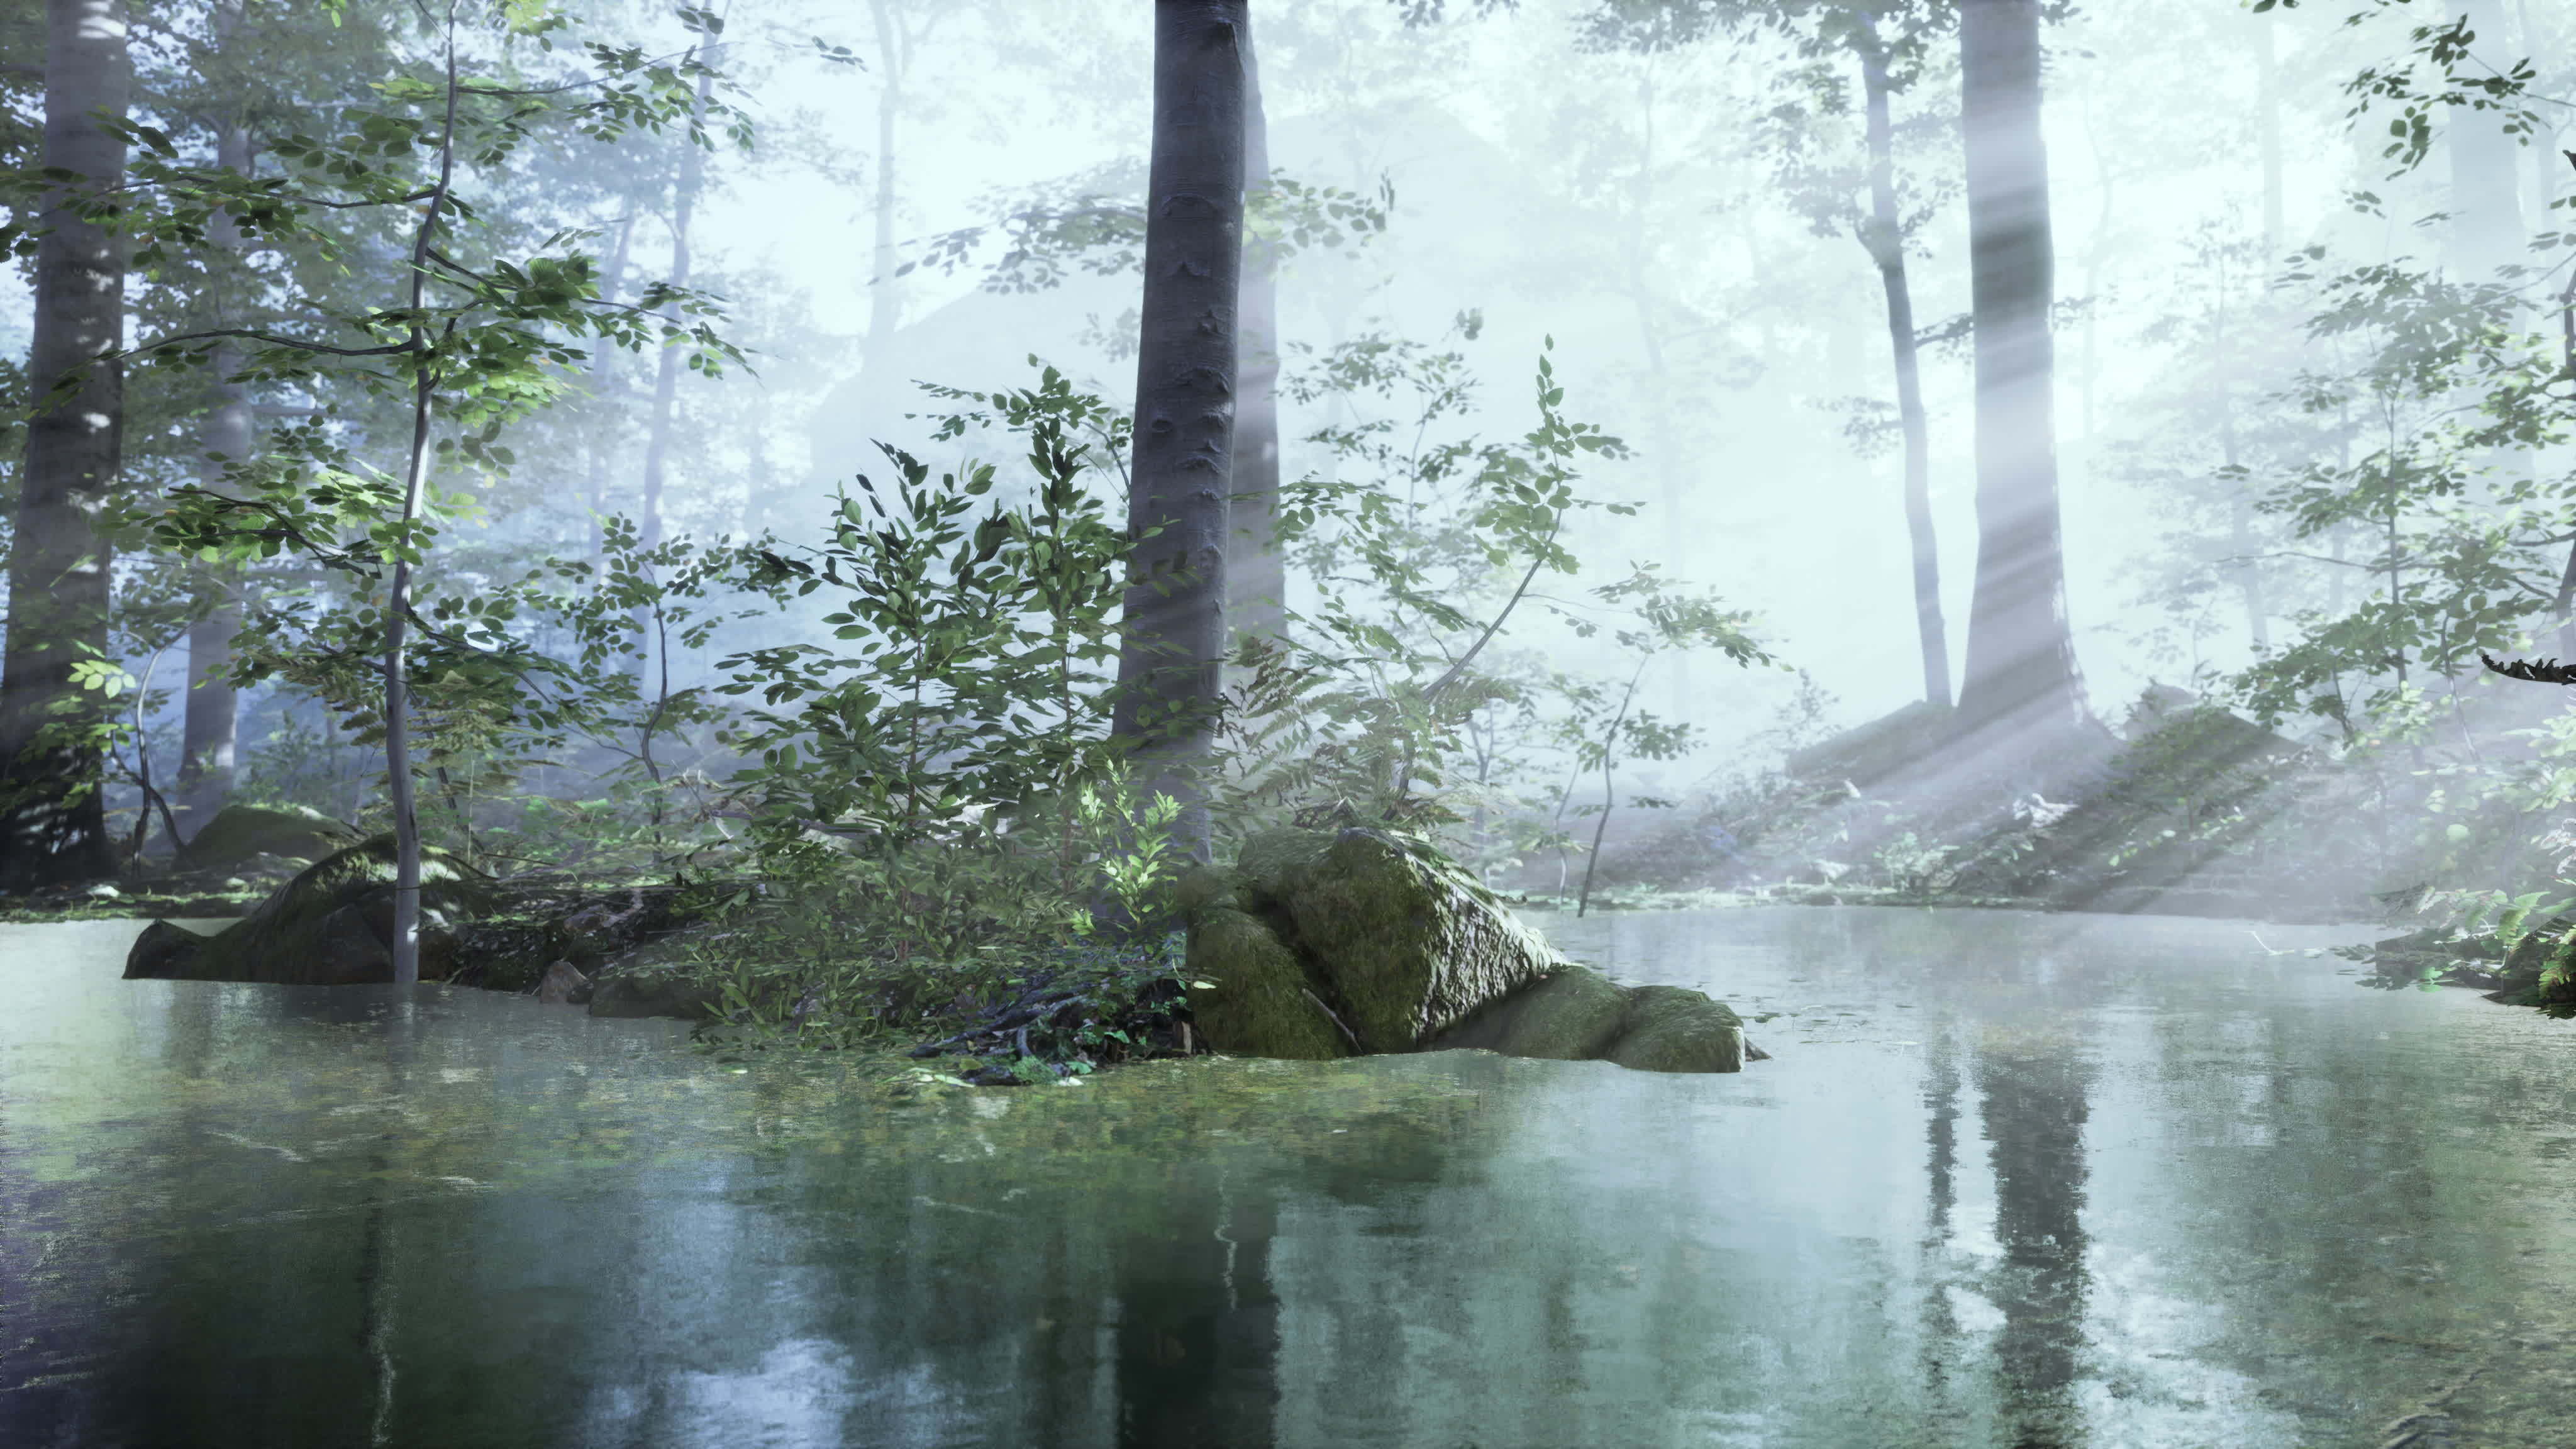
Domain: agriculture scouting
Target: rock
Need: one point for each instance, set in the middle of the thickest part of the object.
(564, 985)
(332, 925)
(1580, 1015)
(236, 833)
(1411, 944)
(1571, 1016)
(653, 994)
(1676, 1029)
(1323, 944)
(163, 952)
(1247, 986)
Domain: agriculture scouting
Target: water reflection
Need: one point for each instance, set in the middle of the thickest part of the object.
(2009, 1182)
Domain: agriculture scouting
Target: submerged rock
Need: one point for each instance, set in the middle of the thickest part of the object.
(1322, 944)
(638, 993)
(332, 925)
(563, 985)
(237, 833)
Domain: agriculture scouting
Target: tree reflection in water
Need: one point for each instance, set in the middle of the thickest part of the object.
(2034, 1086)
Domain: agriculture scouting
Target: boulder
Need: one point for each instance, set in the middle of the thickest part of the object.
(1247, 986)
(1578, 1014)
(1321, 944)
(1411, 944)
(332, 925)
(563, 985)
(236, 833)
(643, 993)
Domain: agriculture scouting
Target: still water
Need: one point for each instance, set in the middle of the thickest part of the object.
(2009, 1180)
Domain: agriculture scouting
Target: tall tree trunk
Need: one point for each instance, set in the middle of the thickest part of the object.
(2267, 122)
(1256, 582)
(53, 821)
(601, 440)
(666, 376)
(1185, 397)
(211, 722)
(885, 289)
(2486, 185)
(1884, 235)
(2021, 653)
(397, 676)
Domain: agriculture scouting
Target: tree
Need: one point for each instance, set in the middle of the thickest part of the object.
(1256, 580)
(1887, 38)
(1884, 235)
(1168, 668)
(2021, 672)
(53, 822)
(469, 343)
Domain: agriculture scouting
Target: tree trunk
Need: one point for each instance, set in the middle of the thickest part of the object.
(1256, 582)
(211, 724)
(885, 289)
(1185, 397)
(53, 821)
(2021, 654)
(1885, 237)
(2267, 120)
(2486, 184)
(666, 376)
(603, 380)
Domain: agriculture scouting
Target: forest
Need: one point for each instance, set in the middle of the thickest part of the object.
(641, 588)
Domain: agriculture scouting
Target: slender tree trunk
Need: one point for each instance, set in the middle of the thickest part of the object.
(1185, 398)
(2267, 122)
(666, 376)
(53, 821)
(398, 782)
(2486, 189)
(603, 378)
(2021, 654)
(1884, 235)
(885, 289)
(211, 722)
(1255, 580)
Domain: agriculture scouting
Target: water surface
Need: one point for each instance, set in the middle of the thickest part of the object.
(2009, 1180)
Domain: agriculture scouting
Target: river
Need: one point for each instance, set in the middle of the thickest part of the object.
(2008, 1180)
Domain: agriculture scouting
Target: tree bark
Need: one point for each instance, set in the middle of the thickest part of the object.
(1174, 645)
(666, 376)
(885, 288)
(211, 722)
(603, 381)
(1885, 237)
(2021, 655)
(2267, 120)
(1255, 580)
(53, 821)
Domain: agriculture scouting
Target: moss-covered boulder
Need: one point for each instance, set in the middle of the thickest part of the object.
(330, 926)
(1578, 1014)
(1321, 944)
(1676, 1029)
(1246, 985)
(237, 833)
(1411, 944)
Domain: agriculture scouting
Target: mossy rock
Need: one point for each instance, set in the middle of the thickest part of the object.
(654, 993)
(1571, 1016)
(1321, 944)
(330, 926)
(1257, 998)
(1676, 1029)
(236, 833)
(1409, 942)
